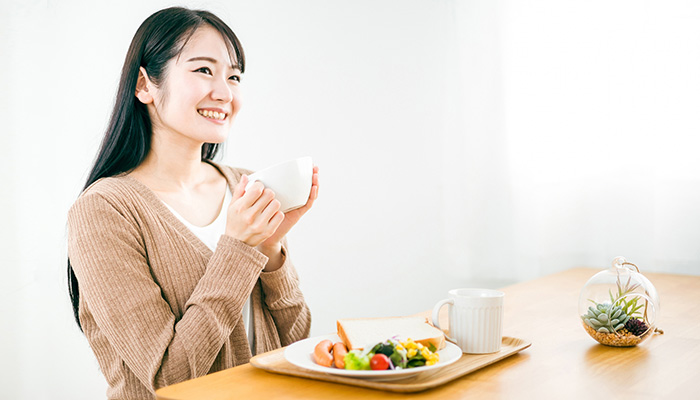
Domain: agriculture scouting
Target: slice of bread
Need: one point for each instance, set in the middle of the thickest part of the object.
(357, 333)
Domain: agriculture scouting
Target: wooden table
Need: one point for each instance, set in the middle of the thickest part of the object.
(563, 361)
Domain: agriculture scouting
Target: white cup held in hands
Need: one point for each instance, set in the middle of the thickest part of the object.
(290, 180)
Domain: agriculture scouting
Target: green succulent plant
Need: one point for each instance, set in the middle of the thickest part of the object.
(629, 307)
(611, 317)
(606, 317)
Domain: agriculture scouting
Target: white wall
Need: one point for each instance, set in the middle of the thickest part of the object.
(460, 143)
(601, 123)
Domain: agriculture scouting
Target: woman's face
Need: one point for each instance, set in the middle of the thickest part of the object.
(199, 97)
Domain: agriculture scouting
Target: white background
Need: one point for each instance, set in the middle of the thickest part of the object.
(461, 143)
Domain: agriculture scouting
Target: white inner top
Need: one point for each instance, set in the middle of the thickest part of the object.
(210, 235)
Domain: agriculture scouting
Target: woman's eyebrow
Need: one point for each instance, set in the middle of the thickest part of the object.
(209, 59)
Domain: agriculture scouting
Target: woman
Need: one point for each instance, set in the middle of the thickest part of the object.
(175, 270)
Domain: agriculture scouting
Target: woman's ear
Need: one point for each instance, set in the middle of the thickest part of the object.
(142, 85)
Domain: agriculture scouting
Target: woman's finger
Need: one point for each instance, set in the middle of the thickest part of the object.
(262, 201)
(314, 183)
(314, 177)
(310, 202)
(239, 189)
(313, 194)
(251, 196)
(269, 212)
(275, 222)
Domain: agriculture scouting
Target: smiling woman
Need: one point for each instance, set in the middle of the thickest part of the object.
(175, 270)
(202, 82)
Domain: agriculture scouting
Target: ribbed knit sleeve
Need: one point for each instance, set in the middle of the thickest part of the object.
(107, 249)
(286, 302)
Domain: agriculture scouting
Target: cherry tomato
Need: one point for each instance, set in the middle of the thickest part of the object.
(379, 362)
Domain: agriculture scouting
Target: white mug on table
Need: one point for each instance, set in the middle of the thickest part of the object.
(476, 319)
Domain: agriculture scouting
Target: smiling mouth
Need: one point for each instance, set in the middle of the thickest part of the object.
(212, 114)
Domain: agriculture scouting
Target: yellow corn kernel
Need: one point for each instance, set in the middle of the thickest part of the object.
(400, 348)
(419, 346)
(411, 353)
(431, 363)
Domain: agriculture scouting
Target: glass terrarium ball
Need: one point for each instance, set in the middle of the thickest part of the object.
(619, 306)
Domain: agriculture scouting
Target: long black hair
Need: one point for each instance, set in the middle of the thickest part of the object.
(127, 141)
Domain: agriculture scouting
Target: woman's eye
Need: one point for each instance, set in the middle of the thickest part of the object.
(204, 70)
(235, 78)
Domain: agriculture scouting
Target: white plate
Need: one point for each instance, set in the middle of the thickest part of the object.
(301, 355)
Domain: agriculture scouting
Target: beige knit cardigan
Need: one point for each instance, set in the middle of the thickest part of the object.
(157, 305)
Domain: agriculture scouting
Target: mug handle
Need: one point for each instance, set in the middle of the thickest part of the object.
(436, 315)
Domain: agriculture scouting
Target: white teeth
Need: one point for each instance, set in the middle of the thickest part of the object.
(212, 114)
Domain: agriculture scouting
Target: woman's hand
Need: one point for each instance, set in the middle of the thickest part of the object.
(253, 215)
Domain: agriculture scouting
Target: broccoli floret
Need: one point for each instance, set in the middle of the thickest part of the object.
(356, 360)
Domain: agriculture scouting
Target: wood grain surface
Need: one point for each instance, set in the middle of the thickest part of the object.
(563, 361)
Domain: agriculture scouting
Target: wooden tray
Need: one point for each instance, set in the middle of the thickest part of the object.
(275, 362)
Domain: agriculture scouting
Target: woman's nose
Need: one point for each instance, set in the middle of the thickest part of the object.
(222, 91)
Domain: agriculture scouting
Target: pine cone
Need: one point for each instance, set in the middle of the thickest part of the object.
(636, 327)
